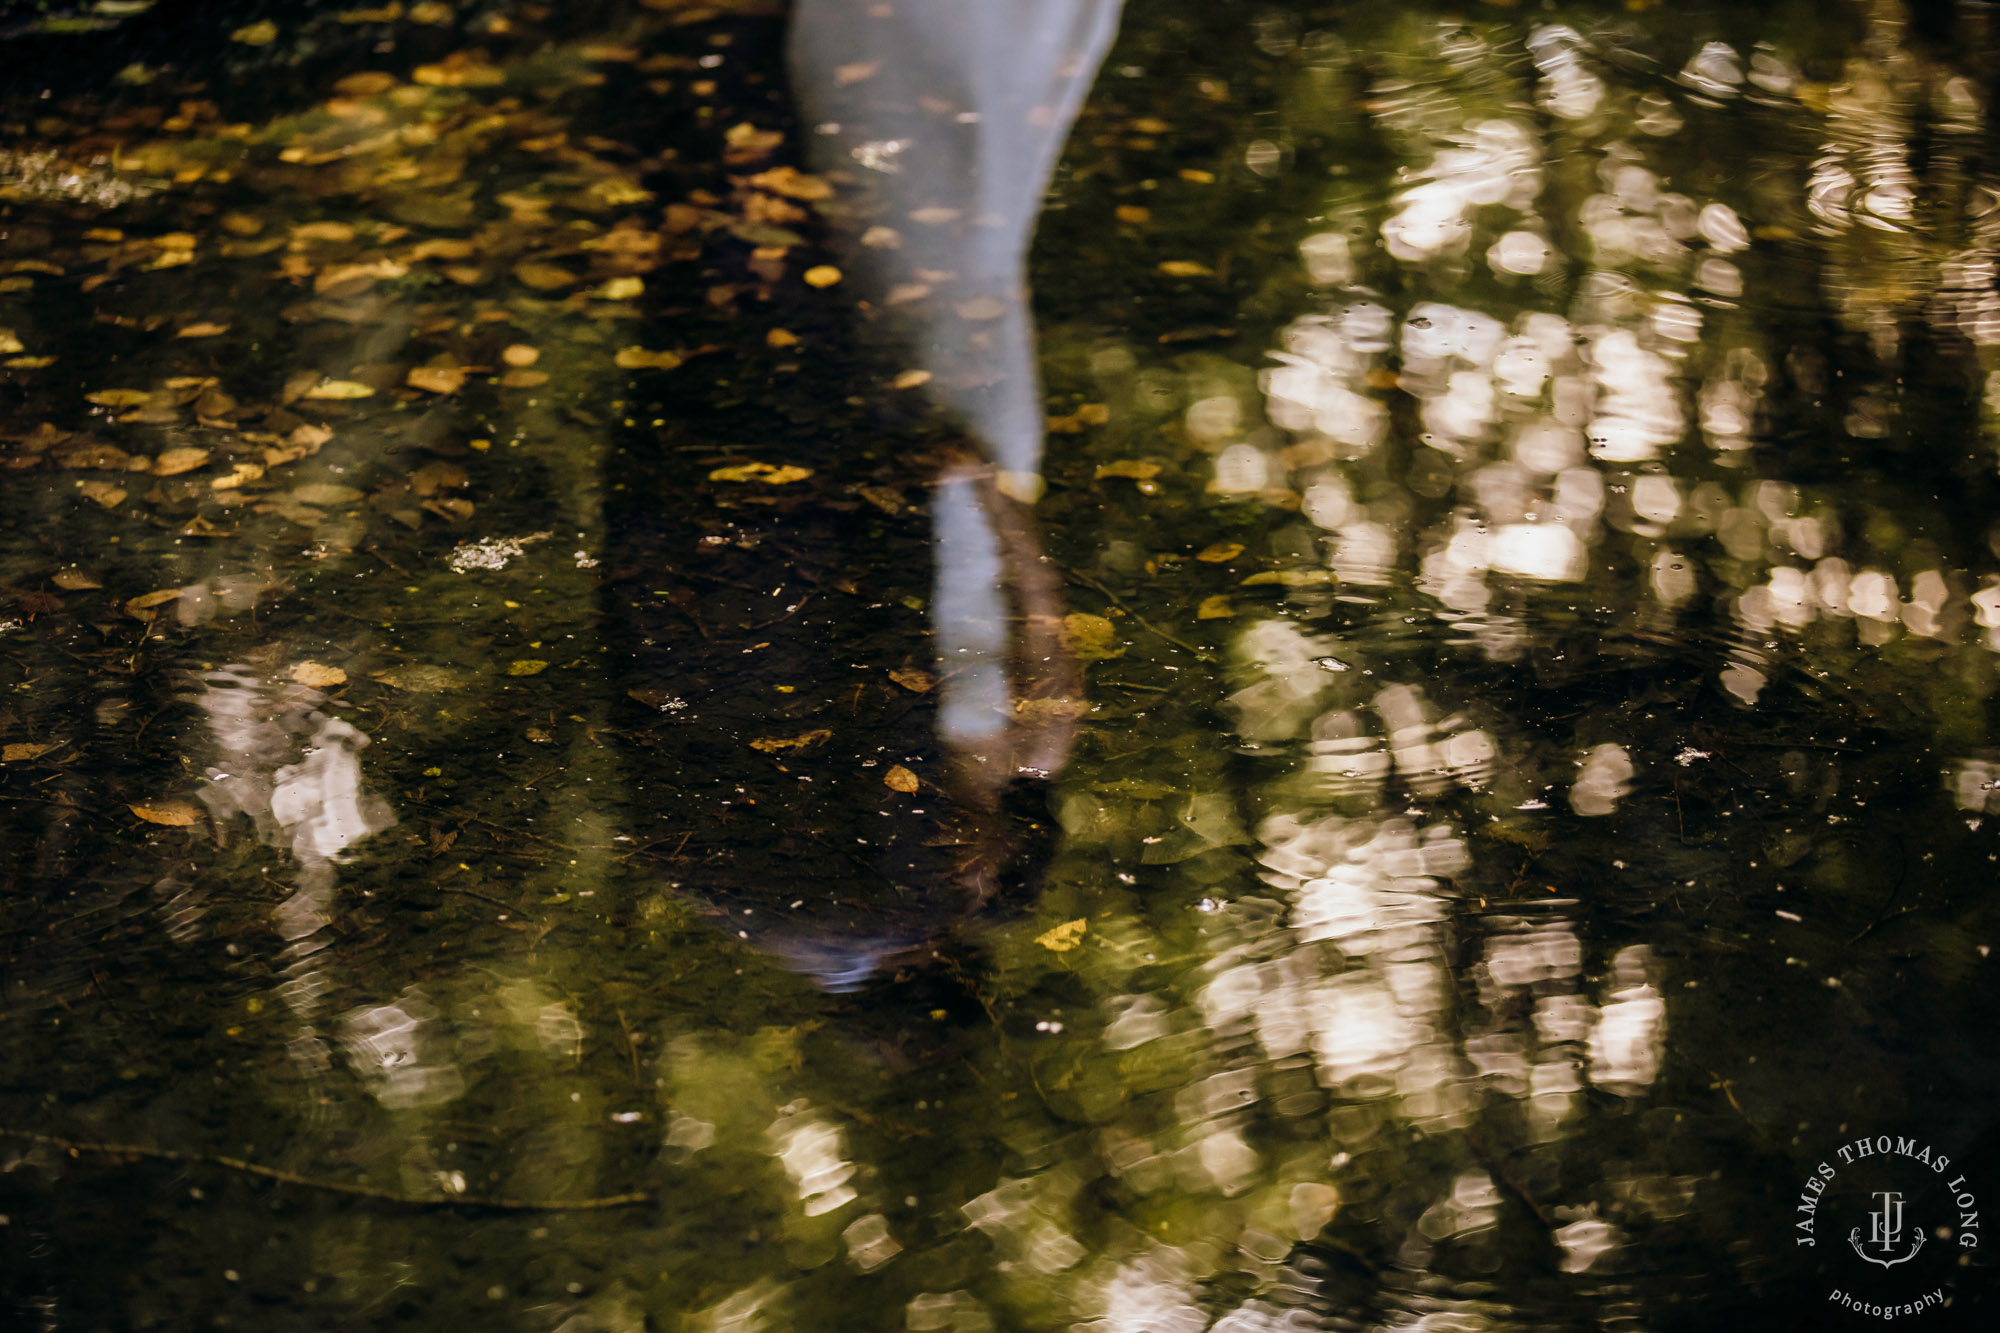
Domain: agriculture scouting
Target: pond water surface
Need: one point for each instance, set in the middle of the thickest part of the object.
(548, 786)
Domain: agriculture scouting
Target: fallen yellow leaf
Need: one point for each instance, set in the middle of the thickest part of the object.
(1186, 268)
(1220, 553)
(1090, 637)
(204, 329)
(318, 675)
(520, 354)
(23, 750)
(1133, 468)
(764, 472)
(527, 666)
(781, 338)
(822, 275)
(911, 379)
(119, 397)
(900, 779)
(1214, 608)
(437, 379)
(545, 277)
(1065, 937)
(621, 289)
(256, 34)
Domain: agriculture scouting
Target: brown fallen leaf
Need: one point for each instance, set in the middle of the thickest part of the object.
(781, 338)
(524, 379)
(520, 355)
(1133, 468)
(120, 397)
(104, 492)
(325, 493)
(1221, 553)
(772, 745)
(147, 601)
(914, 680)
(75, 580)
(527, 666)
(1134, 214)
(20, 751)
(173, 814)
(911, 379)
(203, 329)
(545, 277)
(900, 779)
(620, 289)
(1065, 937)
(318, 675)
(1217, 607)
(638, 358)
(176, 461)
(1186, 268)
(436, 379)
(822, 275)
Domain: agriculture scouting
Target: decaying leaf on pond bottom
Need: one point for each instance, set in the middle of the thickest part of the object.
(22, 751)
(545, 277)
(1290, 578)
(620, 289)
(173, 814)
(913, 679)
(436, 379)
(325, 493)
(1219, 553)
(911, 379)
(774, 744)
(120, 397)
(762, 472)
(1217, 607)
(318, 675)
(338, 389)
(900, 779)
(1186, 268)
(103, 492)
(1065, 937)
(202, 329)
(520, 355)
(527, 666)
(822, 275)
(75, 580)
(142, 605)
(1090, 638)
(639, 358)
(417, 679)
(1133, 468)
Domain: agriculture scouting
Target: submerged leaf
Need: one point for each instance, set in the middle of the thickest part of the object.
(764, 472)
(318, 675)
(900, 779)
(173, 814)
(1090, 637)
(772, 745)
(638, 358)
(339, 389)
(1065, 937)
(24, 750)
(527, 666)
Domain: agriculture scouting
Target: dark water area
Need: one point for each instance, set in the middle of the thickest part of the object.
(606, 726)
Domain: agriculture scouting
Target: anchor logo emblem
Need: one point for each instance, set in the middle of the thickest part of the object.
(1885, 1232)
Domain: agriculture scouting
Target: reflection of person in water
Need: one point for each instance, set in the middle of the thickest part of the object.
(954, 115)
(940, 125)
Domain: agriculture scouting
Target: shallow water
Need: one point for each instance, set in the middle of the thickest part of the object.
(1520, 487)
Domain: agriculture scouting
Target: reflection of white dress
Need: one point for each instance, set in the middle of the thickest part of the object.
(955, 111)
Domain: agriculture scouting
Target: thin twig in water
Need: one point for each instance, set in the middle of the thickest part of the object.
(78, 1147)
(1116, 601)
